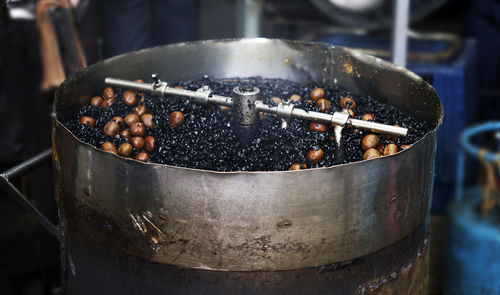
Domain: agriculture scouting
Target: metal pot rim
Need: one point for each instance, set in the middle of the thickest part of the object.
(375, 61)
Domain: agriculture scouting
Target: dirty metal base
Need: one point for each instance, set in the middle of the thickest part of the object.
(401, 268)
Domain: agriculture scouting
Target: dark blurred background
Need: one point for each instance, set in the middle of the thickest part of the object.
(453, 44)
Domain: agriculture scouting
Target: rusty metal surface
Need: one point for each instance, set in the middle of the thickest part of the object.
(247, 221)
(412, 279)
(401, 268)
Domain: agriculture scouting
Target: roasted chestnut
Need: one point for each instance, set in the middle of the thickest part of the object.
(137, 143)
(108, 93)
(141, 100)
(125, 134)
(140, 110)
(139, 81)
(315, 156)
(111, 128)
(176, 119)
(125, 150)
(343, 103)
(323, 104)
(371, 154)
(367, 117)
(96, 101)
(138, 129)
(316, 126)
(131, 119)
(109, 147)
(129, 98)
(142, 156)
(295, 98)
(370, 141)
(147, 119)
(380, 148)
(118, 120)
(405, 146)
(298, 166)
(390, 149)
(275, 100)
(317, 93)
(149, 143)
(106, 103)
(86, 120)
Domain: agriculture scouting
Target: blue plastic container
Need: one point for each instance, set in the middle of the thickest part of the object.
(472, 256)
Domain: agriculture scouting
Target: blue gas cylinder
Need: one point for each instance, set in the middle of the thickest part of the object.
(472, 256)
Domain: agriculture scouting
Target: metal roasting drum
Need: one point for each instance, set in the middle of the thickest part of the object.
(132, 227)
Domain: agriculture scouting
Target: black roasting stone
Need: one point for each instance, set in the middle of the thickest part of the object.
(206, 140)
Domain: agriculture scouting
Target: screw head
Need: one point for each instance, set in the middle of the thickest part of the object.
(155, 77)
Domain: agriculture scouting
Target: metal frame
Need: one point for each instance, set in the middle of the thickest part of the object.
(20, 170)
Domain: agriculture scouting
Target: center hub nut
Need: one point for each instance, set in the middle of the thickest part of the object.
(245, 115)
(244, 97)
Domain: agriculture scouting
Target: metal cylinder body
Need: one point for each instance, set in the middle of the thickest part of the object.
(401, 268)
(207, 227)
(244, 111)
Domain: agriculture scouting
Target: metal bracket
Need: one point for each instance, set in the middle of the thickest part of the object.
(203, 95)
(284, 111)
(340, 118)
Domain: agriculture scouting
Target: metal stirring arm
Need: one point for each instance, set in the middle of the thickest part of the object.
(202, 95)
(284, 110)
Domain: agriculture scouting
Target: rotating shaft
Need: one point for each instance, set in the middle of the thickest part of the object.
(283, 110)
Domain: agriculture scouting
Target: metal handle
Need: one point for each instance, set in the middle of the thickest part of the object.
(20, 170)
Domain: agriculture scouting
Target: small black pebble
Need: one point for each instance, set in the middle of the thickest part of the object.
(206, 141)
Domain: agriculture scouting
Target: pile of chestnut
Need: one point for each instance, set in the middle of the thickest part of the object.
(370, 144)
(133, 128)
